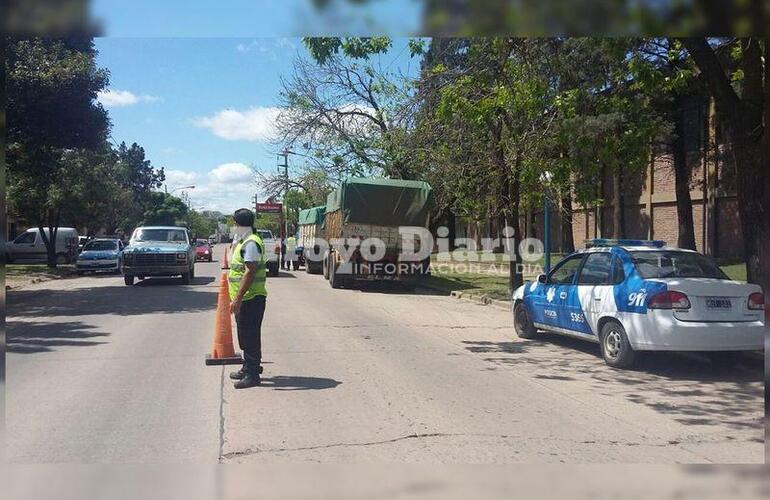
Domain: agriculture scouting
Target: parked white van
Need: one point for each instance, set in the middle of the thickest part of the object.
(29, 246)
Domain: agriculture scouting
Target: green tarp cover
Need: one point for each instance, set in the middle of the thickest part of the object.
(313, 215)
(386, 202)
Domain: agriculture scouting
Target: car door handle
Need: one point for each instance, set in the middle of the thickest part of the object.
(597, 299)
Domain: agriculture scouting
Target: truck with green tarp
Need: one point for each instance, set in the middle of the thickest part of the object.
(362, 209)
(311, 236)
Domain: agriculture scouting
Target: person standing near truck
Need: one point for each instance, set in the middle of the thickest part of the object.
(291, 252)
(248, 296)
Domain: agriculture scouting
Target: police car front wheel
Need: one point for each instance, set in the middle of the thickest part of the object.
(616, 349)
(522, 322)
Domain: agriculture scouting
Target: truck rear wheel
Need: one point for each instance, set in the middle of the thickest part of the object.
(325, 265)
(128, 279)
(337, 279)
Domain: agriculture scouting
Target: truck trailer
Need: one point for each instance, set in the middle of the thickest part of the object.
(362, 209)
(311, 237)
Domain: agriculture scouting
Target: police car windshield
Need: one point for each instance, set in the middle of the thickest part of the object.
(675, 264)
(170, 235)
(100, 246)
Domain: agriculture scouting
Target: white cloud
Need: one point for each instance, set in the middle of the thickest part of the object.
(174, 177)
(231, 173)
(112, 98)
(225, 188)
(254, 124)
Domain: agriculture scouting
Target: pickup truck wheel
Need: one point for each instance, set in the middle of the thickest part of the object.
(192, 272)
(186, 278)
(128, 279)
(272, 269)
(325, 266)
(523, 323)
(62, 259)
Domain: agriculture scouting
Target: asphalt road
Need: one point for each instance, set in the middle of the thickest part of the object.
(98, 372)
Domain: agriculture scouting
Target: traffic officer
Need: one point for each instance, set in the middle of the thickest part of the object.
(246, 280)
(291, 252)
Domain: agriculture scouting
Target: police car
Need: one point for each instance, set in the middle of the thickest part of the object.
(640, 295)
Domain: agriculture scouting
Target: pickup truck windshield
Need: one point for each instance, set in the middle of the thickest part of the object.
(265, 235)
(674, 264)
(168, 235)
(100, 246)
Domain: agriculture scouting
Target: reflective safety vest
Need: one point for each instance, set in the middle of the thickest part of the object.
(238, 269)
(291, 244)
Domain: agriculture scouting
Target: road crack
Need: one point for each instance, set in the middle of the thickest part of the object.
(221, 415)
(521, 438)
(252, 451)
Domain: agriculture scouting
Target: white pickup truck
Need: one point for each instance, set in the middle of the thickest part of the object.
(272, 251)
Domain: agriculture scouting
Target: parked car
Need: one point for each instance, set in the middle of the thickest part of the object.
(159, 251)
(203, 250)
(100, 254)
(635, 295)
(29, 246)
(272, 251)
(82, 240)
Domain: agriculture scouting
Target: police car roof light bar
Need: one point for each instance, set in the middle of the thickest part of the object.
(606, 242)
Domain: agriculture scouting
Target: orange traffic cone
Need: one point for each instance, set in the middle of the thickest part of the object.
(225, 264)
(223, 352)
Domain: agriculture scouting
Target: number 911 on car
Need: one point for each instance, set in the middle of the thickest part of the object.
(638, 295)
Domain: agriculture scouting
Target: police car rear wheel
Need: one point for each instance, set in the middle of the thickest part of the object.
(523, 324)
(616, 349)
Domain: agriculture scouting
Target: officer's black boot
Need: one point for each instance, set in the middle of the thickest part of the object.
(241, 373)
(248, 380)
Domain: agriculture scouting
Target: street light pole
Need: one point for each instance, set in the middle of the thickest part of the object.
(547, 236)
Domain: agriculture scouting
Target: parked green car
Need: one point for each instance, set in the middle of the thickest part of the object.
(159, 251)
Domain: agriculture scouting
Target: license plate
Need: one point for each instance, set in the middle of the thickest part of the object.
(718, 303)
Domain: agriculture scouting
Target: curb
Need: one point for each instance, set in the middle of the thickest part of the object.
(481, 299)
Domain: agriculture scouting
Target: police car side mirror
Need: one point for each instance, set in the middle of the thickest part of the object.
(542, 278)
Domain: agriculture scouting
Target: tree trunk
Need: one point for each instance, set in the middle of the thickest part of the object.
(50, 242)
(742, 121)
(531, 224)
(515, 277)
(567, 237)
(451, 222)
(682, 187)
(618, 229)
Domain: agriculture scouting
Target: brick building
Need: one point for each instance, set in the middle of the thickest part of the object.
(648, 196)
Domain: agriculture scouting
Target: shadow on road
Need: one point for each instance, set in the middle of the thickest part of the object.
(30, 337)
(686, 386)
(152, 296)
(289, 383)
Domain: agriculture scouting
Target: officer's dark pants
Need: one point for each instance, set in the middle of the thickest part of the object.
(249, 322)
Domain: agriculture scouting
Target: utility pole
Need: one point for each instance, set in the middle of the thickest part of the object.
(285, 166)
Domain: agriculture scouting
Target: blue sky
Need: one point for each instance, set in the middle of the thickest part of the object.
(203, 107)
(264, 18)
